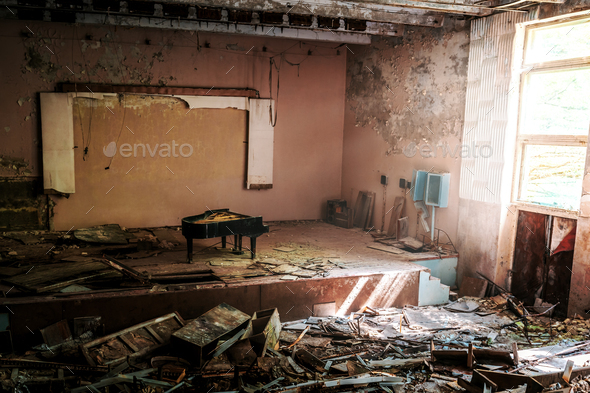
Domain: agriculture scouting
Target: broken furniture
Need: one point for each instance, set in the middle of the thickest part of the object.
(264, 330)
(550, 382)
(471, 356)
(363, 209)
(199, 338)
(339, 214)
(222, 223)
(133, 342)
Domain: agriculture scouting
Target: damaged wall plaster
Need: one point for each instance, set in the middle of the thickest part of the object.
(310, 106)
(411, 88)
(404, 93)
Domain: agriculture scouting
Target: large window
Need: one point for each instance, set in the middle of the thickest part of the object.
(554, 114)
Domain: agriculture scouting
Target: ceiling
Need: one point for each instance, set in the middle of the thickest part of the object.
(324, 20)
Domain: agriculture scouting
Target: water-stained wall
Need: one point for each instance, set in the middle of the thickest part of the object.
(310, 79)
(404, 110)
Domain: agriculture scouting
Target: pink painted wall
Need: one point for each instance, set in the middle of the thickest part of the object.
(405, 93)
(308, 134)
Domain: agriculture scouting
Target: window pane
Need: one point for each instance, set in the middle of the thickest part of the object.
(553, 175)
(556, 103)
(566, 41)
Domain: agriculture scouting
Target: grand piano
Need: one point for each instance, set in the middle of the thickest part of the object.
(222, 223)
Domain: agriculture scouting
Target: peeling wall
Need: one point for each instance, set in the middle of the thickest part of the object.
(404, 110)
(308, 133)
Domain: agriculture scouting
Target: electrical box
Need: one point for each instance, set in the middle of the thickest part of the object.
(419, 181)
(437, 189)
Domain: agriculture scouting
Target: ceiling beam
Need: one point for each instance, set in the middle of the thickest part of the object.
(374, 10)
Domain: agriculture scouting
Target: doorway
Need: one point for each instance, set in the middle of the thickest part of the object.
(543, 257)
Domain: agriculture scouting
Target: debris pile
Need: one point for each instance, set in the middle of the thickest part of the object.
(469, 345)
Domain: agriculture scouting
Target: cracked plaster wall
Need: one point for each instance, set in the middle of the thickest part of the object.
(405, 104)
(308, 136)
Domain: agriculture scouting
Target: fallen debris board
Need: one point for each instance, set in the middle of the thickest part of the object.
(126, 270)
(200, 336)
(463, 305)
(284, 249)
(372, 197)
(74, 288)
(11, 271)
(133, 342)
(56, 334)
(107, 234)
(411, 242)
(443, 319)
(396, 363)
(24, 238)
(504, 381)
(285, 269)
(310, 360)
(474, 287)
(389, 249)
(87, 324)
(241, 353)
(264, 330)
(132, 378)
(51, 277)
(169, 235)
(324, 309)
(397, 213)
(359, 219)
(403, 225)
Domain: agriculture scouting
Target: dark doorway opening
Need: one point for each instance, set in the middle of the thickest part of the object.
(543, 257)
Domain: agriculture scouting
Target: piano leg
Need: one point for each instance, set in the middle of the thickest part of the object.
(189, 249)
(253, 246)
(235, 242)
(223, 242)
(240, 243)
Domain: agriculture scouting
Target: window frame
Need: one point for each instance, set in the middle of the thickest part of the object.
(522, 140)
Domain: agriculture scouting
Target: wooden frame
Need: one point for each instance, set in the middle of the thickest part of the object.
(125, 338)
(522, 140)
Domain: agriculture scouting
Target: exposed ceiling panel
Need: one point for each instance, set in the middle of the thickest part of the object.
(321, 20)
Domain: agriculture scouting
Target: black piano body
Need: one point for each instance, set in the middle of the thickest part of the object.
(222, 223)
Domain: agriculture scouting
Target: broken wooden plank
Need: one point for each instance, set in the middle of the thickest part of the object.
(133, 342)
(200, 336)
(389, 249)
(396, 214)
(411, 242)
(299, 338)
(125, 270)
(51, 277)
(226, 344)
(309, 359)
(56, 334)
(295, 366)
(106, 234)
(397, 363)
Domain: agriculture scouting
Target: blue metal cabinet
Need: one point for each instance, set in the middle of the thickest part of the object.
(419, 184)
(437, 189)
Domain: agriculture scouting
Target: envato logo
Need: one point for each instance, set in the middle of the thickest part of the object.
(139, 149)
(464, 151)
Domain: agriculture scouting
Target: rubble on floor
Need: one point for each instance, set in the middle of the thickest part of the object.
(474, 345)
